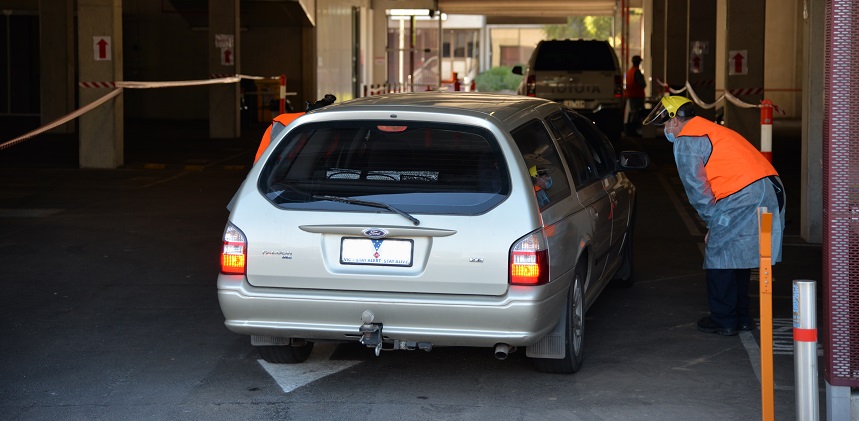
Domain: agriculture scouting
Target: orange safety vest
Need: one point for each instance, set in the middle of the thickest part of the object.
(284, 119)
(734, 163)
(632, 88)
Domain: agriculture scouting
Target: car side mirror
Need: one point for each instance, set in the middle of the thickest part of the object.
(517, 70)
(633, 160)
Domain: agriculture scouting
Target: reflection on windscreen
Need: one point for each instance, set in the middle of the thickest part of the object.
(419, 167)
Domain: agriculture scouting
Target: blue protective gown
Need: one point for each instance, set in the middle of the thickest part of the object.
(733, 241)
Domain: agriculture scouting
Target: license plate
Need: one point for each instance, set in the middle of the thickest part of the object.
(578, 103)
(382, 252)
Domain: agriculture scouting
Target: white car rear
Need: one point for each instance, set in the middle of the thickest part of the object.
(413, 221)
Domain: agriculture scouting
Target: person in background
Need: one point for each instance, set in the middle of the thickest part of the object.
(280, 122)
(634, 93)
(726, 180)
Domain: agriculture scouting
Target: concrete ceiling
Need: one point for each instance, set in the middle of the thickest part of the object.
(529, 8)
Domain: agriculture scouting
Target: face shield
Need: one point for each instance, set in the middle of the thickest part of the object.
(658, 116)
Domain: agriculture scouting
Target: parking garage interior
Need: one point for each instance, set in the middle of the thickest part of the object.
(59, 56)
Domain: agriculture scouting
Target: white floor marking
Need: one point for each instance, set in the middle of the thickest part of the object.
(293, 376)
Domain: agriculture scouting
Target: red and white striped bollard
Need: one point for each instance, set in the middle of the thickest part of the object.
(767, 129)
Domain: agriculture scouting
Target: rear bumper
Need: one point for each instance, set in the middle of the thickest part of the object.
(519, 318)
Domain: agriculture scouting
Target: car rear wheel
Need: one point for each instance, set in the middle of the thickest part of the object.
(574, 334)
(285, 354)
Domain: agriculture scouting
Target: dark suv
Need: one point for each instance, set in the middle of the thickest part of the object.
(584, 75)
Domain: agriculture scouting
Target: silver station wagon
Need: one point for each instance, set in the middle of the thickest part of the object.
(413, 221)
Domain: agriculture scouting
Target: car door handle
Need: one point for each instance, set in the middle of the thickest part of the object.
(594, 214)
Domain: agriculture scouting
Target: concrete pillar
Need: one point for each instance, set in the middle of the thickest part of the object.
(380, 41)
(838, 403)
(57, 62)
(676, 49)
(745, 35)
(224, 59)
(657, 47)
(702, 52)
(309, 71)
(811, 213)
(100, 60)
(668, 44)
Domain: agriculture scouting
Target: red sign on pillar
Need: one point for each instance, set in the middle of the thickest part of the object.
(696, 62)
(227, 58)
(738, 62)
(101, 48)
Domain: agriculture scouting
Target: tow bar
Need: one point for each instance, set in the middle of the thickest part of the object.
(371, 337)
(371, 333)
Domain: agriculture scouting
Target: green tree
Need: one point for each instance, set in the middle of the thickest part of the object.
(584, 27)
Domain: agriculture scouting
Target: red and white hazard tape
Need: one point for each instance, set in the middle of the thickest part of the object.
(728, 95)
(117, 87)
(62, 120)
(214, 78)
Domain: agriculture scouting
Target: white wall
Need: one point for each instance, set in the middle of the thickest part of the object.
(334, 33)
(783, 57)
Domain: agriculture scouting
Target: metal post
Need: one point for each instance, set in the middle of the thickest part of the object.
(281, 95)
(766, 300)
(805, 350)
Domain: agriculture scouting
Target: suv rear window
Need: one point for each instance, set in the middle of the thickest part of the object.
(575, 56)
(413, 166)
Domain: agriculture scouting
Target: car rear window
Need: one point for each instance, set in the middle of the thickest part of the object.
(575, 56)
(414, 166)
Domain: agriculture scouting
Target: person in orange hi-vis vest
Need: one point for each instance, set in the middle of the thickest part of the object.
(280, 122)
(634, 93)
(726, 180)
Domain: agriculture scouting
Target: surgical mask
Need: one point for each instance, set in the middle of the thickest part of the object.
(668, 135)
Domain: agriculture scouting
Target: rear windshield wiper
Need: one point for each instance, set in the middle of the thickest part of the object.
(367, 203)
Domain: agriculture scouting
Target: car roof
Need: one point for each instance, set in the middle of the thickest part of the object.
(500, 106)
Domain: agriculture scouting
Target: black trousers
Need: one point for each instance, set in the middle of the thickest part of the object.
(728, 296)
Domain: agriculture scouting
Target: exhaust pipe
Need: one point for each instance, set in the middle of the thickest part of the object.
(501, 351)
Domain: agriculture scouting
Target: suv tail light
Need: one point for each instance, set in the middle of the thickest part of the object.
(529, 260)
(235, 252)
(531, 85)
(618, 86)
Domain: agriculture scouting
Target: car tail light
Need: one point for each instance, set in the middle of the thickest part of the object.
(531, 85)
(235, 252)
(618, 86)
(529, 260)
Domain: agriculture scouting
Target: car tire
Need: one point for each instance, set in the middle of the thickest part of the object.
(574, 334)
(285, 354)
(624, 276)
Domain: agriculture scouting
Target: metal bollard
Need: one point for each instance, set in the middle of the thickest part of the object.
(767, 129)
(805, 350)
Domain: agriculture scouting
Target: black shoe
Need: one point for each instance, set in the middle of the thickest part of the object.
(707, 325)
(747, 326)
